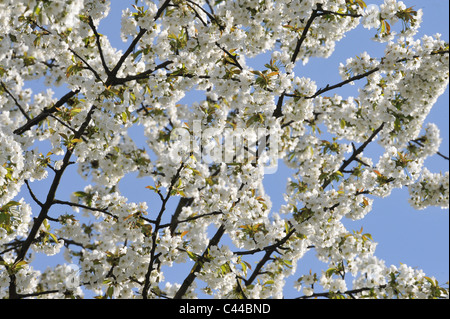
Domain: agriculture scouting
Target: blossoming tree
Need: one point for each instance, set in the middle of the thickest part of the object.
(235, 245)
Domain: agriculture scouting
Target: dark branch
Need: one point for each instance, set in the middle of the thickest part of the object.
(303, 36)
(45, 113)
(348, 292)
(340, 84)
(154, 257)
(161, 10)
(101, 210)
(278, 110)
(122, 59)
(142, 75)
(267, 256)
(364, 75)
(97, 76)
(356, 152)
(184, 202)
(99, 47)
(438, 153)
(22, 110)
(32, 194)
(47, 205)
(199, 264)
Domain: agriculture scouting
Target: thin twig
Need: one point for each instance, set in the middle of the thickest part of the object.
(22, 110)
(278, 110)
(113, 73)
(99, 47)
(67, 126)
(90, 68)
(304, 33)
(32, 194)
(154, 257)
(331, 294)
(142, 75)
(45, 113)
(437, 153)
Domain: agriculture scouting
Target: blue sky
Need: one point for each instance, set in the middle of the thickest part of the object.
(417, 238)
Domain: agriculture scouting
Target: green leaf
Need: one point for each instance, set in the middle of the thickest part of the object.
(385, 27)
(75, 111)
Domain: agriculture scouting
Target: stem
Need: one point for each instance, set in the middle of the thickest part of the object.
(199, 264)
(153, 256)
(356, 152)
(47, 205)
(348, 292)
(97, 40)
(46, 112)
(22, 110)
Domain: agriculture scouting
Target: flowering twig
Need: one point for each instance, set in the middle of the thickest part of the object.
(348, 292)
(198, 265)
(99, 47)
(22, 110)
(438, 153)
(45, 113)
(153, 256)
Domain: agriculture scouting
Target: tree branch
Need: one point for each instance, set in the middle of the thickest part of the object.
(340, 84)
(269, 250)
(90, 68)
(304, 33)
(278, 110)
(438, 153)
(174, 222)
(113, 73)
(184, 202)
(142, 75)
(32, 194)
(356, 152)
(363, 75)
(161, 10)
(101, 210)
